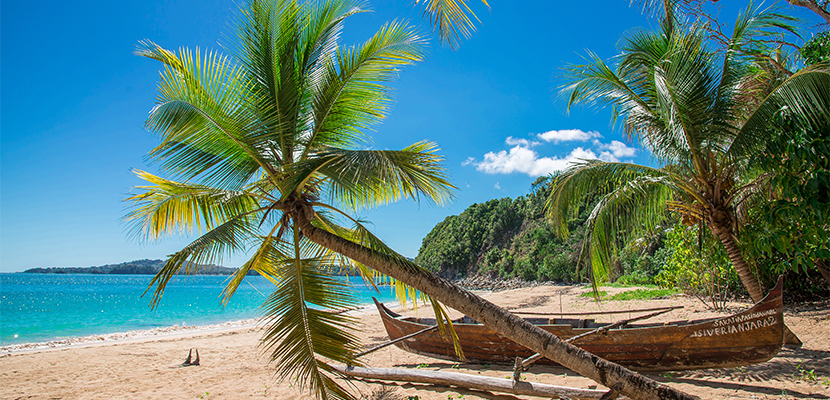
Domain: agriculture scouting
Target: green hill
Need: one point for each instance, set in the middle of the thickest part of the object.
(504, 238)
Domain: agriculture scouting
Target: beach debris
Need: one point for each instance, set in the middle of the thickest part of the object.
(189, 360)
(467, 381)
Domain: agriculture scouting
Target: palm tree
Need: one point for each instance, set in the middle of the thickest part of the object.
(264, 153)
(703, 115)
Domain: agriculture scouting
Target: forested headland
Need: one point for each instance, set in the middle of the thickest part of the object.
(512, 238)
(504, 238)
(135, 267)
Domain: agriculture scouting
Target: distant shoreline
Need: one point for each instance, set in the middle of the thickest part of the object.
(139, 335)
(135, 267)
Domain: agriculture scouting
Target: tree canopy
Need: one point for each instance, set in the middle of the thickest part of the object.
(704, 114)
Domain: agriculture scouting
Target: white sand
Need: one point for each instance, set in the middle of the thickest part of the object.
(147, 364)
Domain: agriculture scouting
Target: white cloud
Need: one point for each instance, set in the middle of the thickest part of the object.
(497, 186)
(522, 156)
(511, 141)
(608, 157)
(568, 135)
(524, 160)
(618, 149)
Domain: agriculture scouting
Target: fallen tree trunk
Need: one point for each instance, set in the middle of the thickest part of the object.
(494, 317)
(470, 382)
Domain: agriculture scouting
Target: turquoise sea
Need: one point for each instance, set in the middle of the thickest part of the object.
(44, 307)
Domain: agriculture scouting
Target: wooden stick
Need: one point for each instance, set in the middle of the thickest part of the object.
(596, 312)
(478, 382)
(391, 342)
(530, 360)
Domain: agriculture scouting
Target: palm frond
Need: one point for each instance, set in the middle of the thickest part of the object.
(804, 97)
(167, 207)
(446, 328)
(361, 179)
(451, 18)
(597, 84)
(301, 334)
(199, 114)
(270, 47)
(630, 210)
(269, 261)
(209, 248)
(349, 95)
(586, 180)
(760, 22)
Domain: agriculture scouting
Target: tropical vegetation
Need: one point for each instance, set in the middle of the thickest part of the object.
(704, 114)
(265, 153)
(503, 238)
(271, 132)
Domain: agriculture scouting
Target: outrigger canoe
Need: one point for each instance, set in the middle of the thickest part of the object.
(749, 337)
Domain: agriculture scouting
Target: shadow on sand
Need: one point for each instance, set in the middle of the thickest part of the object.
(790, 365)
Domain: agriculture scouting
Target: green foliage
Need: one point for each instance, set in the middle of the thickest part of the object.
(591, 294)
(817, 49)
(802, 373)
(643, 259)
(643, 294)
(788, 229)
(702, 115)
(698, 265)
(504, 238)
(452, 247)
(637, 294)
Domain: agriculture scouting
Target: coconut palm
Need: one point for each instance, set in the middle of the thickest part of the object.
(264, 153)
(280, 123)
(703, 115)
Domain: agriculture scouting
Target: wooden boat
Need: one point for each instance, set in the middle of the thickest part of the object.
(749, 337)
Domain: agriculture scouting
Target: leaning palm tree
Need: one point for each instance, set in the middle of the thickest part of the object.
(265, 152)
(703, 115)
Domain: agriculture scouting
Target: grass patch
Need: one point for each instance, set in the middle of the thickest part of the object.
(638, 294)
(602, 294)
(623, 285)
(644, 294)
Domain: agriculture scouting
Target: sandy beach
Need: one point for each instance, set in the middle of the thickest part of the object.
(233, 366)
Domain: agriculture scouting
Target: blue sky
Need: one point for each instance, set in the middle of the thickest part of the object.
(74, 99)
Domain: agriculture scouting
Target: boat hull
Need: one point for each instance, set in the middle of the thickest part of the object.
(745, 338)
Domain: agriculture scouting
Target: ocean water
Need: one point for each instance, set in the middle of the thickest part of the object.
(44, 307)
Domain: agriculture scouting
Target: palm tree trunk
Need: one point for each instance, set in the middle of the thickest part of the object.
(724, 233)
(634, 385)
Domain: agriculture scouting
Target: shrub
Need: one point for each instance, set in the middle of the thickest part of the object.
(698, 266)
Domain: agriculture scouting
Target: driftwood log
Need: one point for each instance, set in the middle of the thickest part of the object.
(471, 382)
